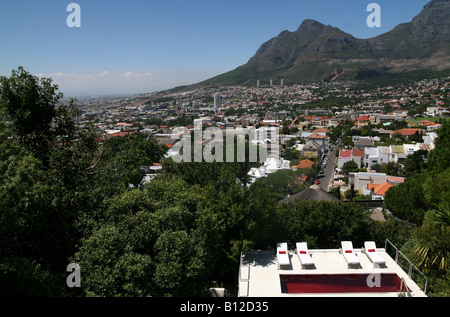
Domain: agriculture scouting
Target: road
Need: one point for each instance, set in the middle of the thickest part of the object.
(326, 179)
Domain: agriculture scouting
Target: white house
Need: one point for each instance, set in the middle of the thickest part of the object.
(271, 165)
(364, 182)
(429, 137)
(384, 155)
(411, 148)
(371, 157)
(345, 156)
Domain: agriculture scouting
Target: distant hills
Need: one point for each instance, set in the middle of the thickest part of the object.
(318, 52)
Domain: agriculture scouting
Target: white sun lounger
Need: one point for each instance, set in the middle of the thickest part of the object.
(283, 255)
(303, 254)
(370, 249)
(349, 255)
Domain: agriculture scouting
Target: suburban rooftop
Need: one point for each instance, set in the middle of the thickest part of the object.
(260, 274)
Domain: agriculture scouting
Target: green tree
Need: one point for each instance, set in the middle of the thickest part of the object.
(438, 158)
(349, 167)
(393, 169)
(181, 261)
(127, 159)
(45, 175)
(407, 201)
(21, 278)
(322, 224)
(280, 184)
(152, 242)
(30, 103)
(416, 162)
(291, 154)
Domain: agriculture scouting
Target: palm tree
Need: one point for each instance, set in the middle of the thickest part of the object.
(433, 247)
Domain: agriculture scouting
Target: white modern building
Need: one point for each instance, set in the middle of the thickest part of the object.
(363, 271)
(271, 165)
(362, 180)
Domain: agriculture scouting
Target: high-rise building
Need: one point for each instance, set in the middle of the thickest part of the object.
(282, 83)
(217, 102)
(258, 83)
(271, 82)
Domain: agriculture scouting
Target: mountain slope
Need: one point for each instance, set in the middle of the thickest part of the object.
(318, 52)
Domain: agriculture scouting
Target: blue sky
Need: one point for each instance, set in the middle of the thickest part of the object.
(138, 46)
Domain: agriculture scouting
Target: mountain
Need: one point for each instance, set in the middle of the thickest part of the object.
(317, 52)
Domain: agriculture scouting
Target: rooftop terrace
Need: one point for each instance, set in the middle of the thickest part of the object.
(261, 276)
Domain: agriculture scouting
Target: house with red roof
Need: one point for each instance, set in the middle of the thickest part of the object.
(425, 123)
(123, 125)
(363, 120)
(379, 190)
(120, 134)
(318, 138)
(429, 125)
(322, 130)
(407, 132)
(369, 183)
(358, 156)
(304, 164)
(347, 155)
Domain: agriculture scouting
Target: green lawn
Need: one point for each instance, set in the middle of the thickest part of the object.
(432, 119)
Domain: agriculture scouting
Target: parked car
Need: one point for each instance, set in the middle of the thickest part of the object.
(317, 182)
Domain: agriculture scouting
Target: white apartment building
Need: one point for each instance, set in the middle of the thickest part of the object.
(366, 270)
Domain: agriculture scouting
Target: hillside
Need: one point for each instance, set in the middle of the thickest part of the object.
(317, 52)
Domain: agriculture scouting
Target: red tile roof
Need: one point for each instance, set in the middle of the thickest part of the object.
(426, 123)
(321, 130)
(317, 136)
(358, 152)
(124, 124)
(407, 132)
(380, 189)
(304, 164)
(120, 134)
(395, 179)
(345, 153)
(425, 146)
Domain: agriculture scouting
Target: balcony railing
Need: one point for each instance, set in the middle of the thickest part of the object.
(411, 268)
(244, 279)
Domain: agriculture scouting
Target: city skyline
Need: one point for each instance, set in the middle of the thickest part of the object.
(143, 46)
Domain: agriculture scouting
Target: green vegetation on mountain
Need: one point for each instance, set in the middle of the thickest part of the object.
(316, 52)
